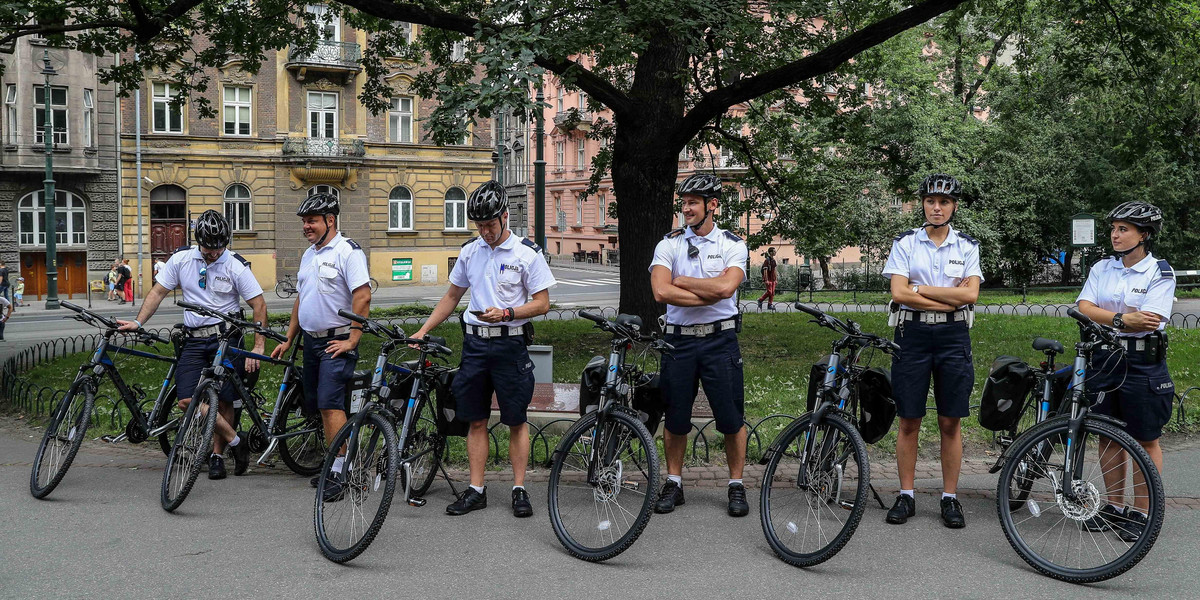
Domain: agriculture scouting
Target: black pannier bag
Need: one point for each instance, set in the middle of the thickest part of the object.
(876, 406)
(816, 377)
(1004, 393)
(446, 406)
(647, 398)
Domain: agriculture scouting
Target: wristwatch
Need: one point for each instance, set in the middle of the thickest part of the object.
(1118, 322)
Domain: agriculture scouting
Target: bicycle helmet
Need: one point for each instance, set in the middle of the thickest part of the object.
(701, 184)
(212, 230)
(940, 184)
(1142, 214)
(487, 202)
(319, 204)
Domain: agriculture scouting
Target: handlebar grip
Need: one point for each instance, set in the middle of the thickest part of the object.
(352, 316)
(666, 346)
(1078, 316)
(275, 336)
(812, 311)
(192, 306)
(70, 306)
(894, 346)
(158, 338)
(592, 317)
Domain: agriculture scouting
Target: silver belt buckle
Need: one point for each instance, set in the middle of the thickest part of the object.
(929, 318)
(483, 332)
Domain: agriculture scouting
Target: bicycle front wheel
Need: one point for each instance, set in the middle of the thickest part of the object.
(302, 446)
(193, 446)
(346, 522)
(284, 290)
(64, 435)
(1060, 529)
(813, 495)
(602, 484)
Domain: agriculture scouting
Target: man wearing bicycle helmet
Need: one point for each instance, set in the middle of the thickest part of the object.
(510, 284)
(1133, 291)
(934, 274)
(216, 278)
(696, 272)
(333, 276)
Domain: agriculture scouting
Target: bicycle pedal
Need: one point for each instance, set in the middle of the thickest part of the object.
(417, 502)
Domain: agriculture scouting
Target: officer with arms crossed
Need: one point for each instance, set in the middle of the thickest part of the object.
(696, 272)
(503, 273)
(214, 278)
(333, 276)
(935, 275)
(1134, 292)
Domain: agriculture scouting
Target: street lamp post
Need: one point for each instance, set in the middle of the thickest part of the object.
(539, 176)
(48, 193)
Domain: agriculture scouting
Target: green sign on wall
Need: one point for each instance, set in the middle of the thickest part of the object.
(401, 269)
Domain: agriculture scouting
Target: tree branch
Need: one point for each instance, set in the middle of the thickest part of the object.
(53, 29)
(999, 45)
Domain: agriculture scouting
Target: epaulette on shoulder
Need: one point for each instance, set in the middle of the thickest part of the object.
(733, 236)
(464, 244)
(353, 244)
(182, 249)
(904, 235)
(240, 258)
(1165, 269)
(674, 233)
(968, 238)
(530, 243)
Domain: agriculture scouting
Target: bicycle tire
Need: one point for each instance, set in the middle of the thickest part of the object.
(168, 411)
(193, 446)
(284, 289)
(837, 443)
(625, 440)
(1048, 512)
(75, 412)
(424, 436)
(303, 454)
(374, 438)
(374, 284)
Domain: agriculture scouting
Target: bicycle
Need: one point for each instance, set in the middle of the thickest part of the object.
(605, 470)
(286, 288)
(288, 423)
(69, 423)
(375, 456)
(374, 284)
(1064, 497)
(811, 505)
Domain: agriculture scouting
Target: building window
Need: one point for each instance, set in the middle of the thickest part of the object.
(579, 211)
(602, 211)
(400, 120)
(167, 117)
(407, 29)
(456, 210)
(400, 209)
(70, 214)
(89, 119)
(58, 109)
(328, 25)
(10, 114)
(458, 51)
(323, 189)
(322, 114)
(237, 110)
(560, 151)
(580, 156)
(560, 100)
(897, 204)
(517, 164)
(237, 207)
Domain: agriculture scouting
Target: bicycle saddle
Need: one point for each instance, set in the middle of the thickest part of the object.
(1042, 344)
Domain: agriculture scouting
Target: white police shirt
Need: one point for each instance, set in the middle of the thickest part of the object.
(915, 256)
(326, 283)
(502, 278)
(1148, 285)
(718, 251)
(225, 280)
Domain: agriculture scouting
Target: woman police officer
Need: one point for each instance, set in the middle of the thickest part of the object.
(1133, 291)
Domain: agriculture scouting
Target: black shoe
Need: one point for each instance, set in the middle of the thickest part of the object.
(1130, 530)
(737, 500)
(521, 506)
(760, 306)
(335, 487)
(241, 455)
(904, 508)
(952, 515)
(1108, 518)
(469, 501)
(216, 467)
(670, 497)
(770, 307)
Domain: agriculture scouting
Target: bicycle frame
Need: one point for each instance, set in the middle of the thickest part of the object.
(101, 364)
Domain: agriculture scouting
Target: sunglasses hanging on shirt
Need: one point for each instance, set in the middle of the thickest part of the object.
(203, 278)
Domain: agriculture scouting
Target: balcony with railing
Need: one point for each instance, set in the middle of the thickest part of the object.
(323, 160)
(573, 119)
(329, 57)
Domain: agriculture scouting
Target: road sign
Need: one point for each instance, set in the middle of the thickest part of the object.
(1083, 230)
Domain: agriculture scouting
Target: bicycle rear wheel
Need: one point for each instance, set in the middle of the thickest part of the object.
(284, 289)
(303, 447)
(1064, 535)
(424, 438)
(169, 412)
(348, 522)
(602, 485)
(193, 446)
(811, 504)
(64, 434)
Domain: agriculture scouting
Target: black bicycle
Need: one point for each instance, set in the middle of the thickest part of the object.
(1073, 466)
(604, 472)
(69, 423)
(286, 288)
(375, 456)
(815, 485)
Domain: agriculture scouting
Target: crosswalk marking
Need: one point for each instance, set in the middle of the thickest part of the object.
(590, 282)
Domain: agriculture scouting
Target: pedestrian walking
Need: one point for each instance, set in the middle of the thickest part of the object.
(4, 283)
(19, 292)
(6, 310)
(770, 276)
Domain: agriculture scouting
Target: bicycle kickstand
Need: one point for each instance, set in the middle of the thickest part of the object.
(876, 494)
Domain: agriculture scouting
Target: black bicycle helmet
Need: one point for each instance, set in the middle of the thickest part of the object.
(940, 184)
(319, 204)
(212, 230)
(1143, 214)
(701, 184)
(487, 202)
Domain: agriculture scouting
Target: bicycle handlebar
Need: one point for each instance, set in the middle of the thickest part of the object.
(613, 327)
(259, 329)
(92, 318)
(431, 344)
(1108, 334)
(849, 330)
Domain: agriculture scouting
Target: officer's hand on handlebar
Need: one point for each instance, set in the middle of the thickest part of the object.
(127, 325)
(280, 349)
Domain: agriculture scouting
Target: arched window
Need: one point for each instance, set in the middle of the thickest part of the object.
(456, 209)
(70, 213)
(237, 207)
(400, 209)
(323, 189)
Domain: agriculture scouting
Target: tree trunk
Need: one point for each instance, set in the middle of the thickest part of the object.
(1066, 266)
(824, 262)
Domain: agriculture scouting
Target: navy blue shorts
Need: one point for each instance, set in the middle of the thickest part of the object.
(498, 365)
(715, 361)
(941, 352)
(197, 354)
(1142, 397)
(325, 377)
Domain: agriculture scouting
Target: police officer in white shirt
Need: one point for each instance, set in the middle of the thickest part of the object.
(696, 272)
(935, 277)
(333, 276)
(510, 284)
(1134, 292)
(215, 278)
